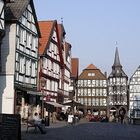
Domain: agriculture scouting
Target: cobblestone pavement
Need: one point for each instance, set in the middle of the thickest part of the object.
(86, 131)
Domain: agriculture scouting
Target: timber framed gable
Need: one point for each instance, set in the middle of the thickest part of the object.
(22, 14)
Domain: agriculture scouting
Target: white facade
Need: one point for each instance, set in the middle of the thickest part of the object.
(67, 60)
(51, 69)
(92, 92)
(8, 67)
(134, 91)
(26, 50)
(19, 53)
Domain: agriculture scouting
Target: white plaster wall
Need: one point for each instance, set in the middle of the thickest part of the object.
(7, 94)
(8, 50)
(8, 70)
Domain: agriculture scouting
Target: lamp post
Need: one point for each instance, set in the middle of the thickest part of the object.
(43, 83)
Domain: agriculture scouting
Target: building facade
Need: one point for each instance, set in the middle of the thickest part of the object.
(92, 91)
(19, 57)
(67, 69)
(117, 88)
(51, 63)
(134, 93)
(2, 25)
(74, 78)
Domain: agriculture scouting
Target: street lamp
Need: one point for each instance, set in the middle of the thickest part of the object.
(43, 83)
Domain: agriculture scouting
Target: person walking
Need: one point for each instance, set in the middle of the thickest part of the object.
(122, 116)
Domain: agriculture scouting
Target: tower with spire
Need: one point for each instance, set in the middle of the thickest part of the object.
(117, 88)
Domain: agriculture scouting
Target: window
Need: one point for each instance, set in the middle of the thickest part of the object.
(21, 65)
(91, 74)
(97, 83)
(85, 83)
(29, 41)
(93, 83)
(93, 101)
(97, 92)
(85, 101)
(101, 102)
(89, 92)
(104, 102)
(81, 91)
(34, 44)
(82, 101)
(85, 92)
(93, 92)
(89, 101)
(104, 83)
(28, 66)
(33, 69)
(104, 92)
(89, 83)
(97, 101)
(22, 36)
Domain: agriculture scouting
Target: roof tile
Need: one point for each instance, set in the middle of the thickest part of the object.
(45, 29)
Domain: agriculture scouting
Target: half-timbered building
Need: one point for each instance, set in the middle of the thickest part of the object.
(51, 63)
(19, 57)
(67, 69)
(2, 25)
(92, 91)
(74, 78)
(134, 93)
(117, 88)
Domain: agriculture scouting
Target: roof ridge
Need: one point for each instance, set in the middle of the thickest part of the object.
(91, 66)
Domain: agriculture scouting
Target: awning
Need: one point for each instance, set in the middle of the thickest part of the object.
(72, 103)
(54, 104)
(112, 110)
(34, 92)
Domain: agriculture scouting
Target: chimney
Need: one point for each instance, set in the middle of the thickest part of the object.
(105, 74)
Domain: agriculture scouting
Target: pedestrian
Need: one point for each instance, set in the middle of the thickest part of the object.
(37, 122)
(122, 116)
(54, 114)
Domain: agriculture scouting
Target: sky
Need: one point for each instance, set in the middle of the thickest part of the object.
(93, 27)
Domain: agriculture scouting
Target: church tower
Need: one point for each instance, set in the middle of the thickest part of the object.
(117, 88)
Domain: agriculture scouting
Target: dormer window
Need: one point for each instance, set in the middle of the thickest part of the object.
(91, 74)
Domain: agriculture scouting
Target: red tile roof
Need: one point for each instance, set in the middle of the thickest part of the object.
(67, 48)
(45, 29)
(61, 31)
(74, 67)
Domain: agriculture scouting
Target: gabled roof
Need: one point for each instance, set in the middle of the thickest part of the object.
(97, 74)
(91, 67)
(14, 10)
(46, 28)
(74, 67)
(61, 32)
(135, 75)
(67, 47)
